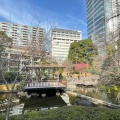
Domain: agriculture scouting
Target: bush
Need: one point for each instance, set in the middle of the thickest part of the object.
(115, 88)
(10, 76)
(71, 113)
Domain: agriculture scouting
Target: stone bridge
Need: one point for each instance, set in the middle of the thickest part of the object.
(87, 81)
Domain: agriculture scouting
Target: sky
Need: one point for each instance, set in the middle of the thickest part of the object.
(64, 14)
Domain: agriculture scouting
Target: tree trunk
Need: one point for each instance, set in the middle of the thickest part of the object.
(10, 98)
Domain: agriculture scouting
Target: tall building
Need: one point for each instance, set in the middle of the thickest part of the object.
(95, 19)
(60, 42)
(112, 13)
(28, 45)
(23, 35)
(103, 18)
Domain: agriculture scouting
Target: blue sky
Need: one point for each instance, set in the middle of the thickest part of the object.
(66, 14)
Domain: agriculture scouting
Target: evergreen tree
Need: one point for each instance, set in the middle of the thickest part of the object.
(82, 51)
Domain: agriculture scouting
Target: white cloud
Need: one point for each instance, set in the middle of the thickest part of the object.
(20, 13)
(23, 12)
(82, 22)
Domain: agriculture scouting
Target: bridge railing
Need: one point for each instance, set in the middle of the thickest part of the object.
(44, 84)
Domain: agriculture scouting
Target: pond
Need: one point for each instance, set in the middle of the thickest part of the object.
(36, 103)
(105, 93)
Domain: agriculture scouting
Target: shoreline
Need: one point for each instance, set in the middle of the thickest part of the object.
(15, 91)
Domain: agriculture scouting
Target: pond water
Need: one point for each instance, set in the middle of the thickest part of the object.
(107, 94)
(36, 103)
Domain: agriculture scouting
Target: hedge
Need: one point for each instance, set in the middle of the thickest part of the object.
(71, 113)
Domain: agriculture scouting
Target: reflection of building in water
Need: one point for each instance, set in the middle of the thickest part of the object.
(45, 103)
(32, 104)
(6, 95)
(16, 107)
(17, 110)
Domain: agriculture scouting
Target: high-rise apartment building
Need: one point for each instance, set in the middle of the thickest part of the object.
(28, 45)
(103, 17)
(60, 42)
(23, 35)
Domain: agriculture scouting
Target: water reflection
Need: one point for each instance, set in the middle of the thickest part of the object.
(107, 95)
(86, 103)
(22, 105)
(4, 96)
(42, 103)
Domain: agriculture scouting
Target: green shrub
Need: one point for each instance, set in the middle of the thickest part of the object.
(2, 117)
(101, 87)
(71, 113)
(108, 90)
(115, 88)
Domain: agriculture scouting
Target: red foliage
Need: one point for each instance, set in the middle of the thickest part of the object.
(81, 66)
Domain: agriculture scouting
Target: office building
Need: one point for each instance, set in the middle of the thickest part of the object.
(95, 19)
(112, 13)
(60, 42)
(103, 18)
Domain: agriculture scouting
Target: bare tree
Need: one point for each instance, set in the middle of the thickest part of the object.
(35, 49)
(111, 65)
(5, 42)
(68, 66)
